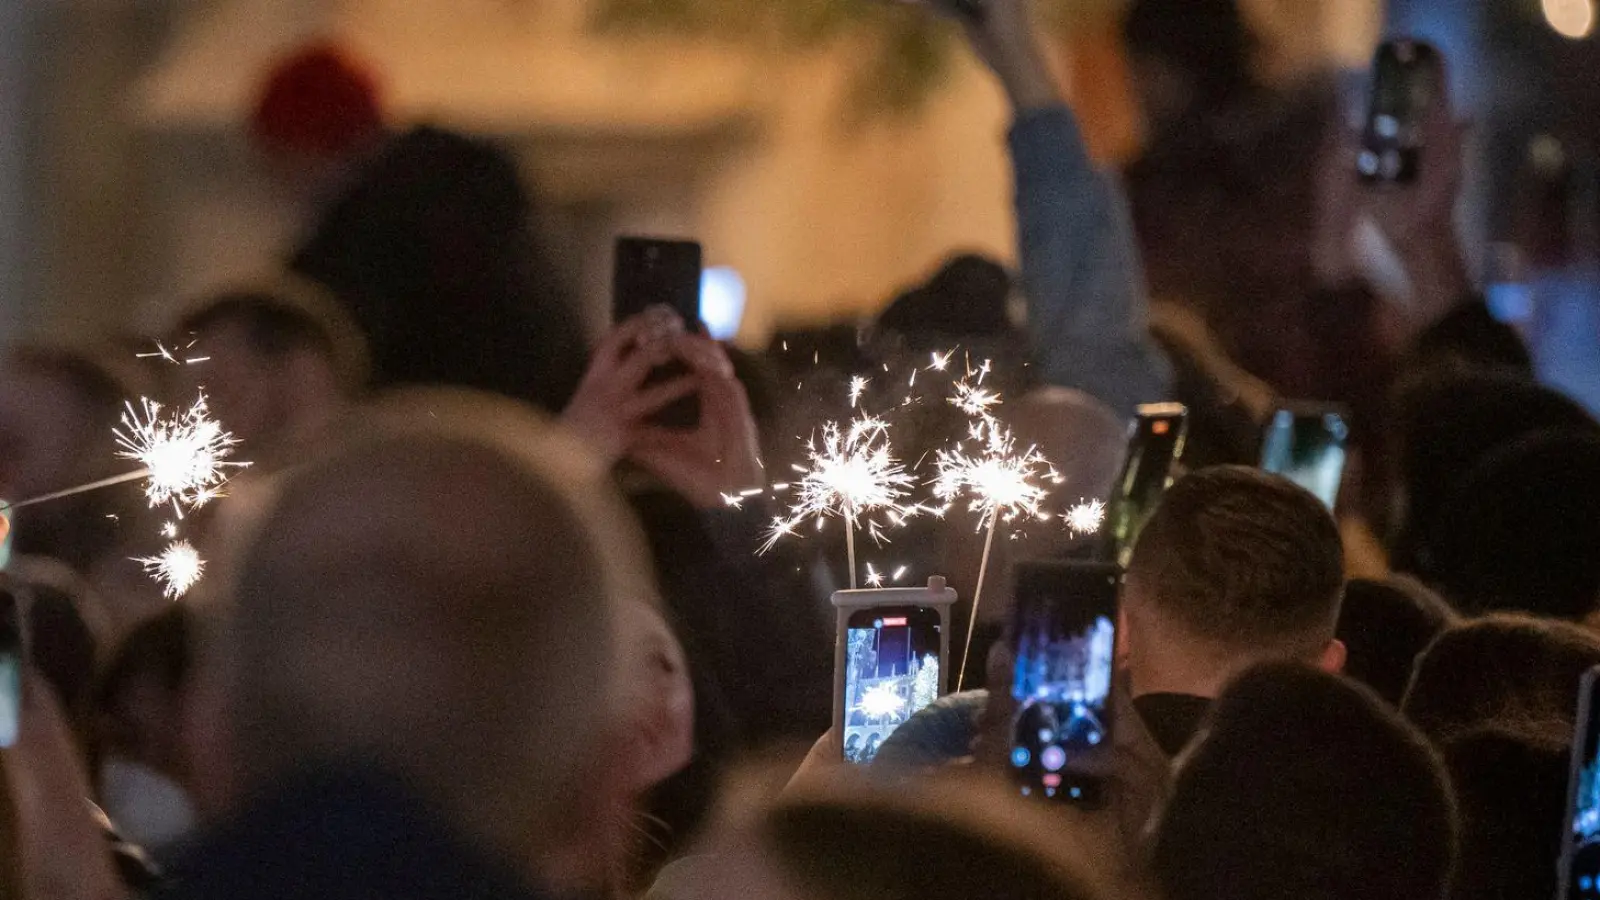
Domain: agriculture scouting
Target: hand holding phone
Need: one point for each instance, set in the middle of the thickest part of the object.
(1064, 645)
(1406, 81)
(1580, 844)
(651, 273)
(890, 661)
(616, 394)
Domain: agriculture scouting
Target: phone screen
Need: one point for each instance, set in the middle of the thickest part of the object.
(10, 668)
(1404, 76)
(892, 669)
(1307, 447)
(1154, 445)
(1065, 644)
(1580, 856)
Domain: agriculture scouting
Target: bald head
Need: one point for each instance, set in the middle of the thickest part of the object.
(439, 599)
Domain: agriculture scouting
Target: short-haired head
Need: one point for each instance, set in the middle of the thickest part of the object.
(1385, 624)
(1502, 669)
(281, 315)
(1305, 784)
(1240, 559)
(1511, 783)
(437, 596)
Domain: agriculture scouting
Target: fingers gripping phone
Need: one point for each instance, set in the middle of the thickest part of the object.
(890, 660)
(1306, 444)
(650, 272)
(1155, 444)
(1580, 844)
(1064, 640)
(1405, 79)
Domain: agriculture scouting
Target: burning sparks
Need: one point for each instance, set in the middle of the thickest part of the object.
(874, 577)
(999, 481)
(852, 473)
(974, 401)
(178, 568)
(858, 386)
(881, 701)
(184, 454)
(1087, 517)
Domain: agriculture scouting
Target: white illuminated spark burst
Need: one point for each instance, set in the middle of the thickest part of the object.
(999, 481)
(184, 453)
(178, 568)
(881, 701)
(1087, 517)
(973, 400)
(852, 473)
(874, 577)
(941, 361)
(858, 386)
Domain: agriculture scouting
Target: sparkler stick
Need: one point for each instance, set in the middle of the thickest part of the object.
(113, 481)
(977, 597)
(850, 543)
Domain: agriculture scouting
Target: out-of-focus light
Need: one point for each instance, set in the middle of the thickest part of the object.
(721, 302)
(1572, 19)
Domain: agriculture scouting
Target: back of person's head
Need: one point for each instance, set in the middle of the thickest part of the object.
(969, 297)
(1238, 560)
(1305, 784)
(439, 596)
(1511, 787)
(852, 840)
(317, 101)
(1519, 531)
(1207, 42)
(1448, 425)
(276, 317)
(1385, 625)
(1501, 669)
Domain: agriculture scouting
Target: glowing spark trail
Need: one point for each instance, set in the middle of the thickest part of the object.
(881, 701)
(1086, 518)
(852, 473)
(858, 386)
(184, 454)
(178, 568)
(874, 577)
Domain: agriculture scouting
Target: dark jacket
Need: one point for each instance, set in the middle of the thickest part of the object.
(339, 834)
(433, 249)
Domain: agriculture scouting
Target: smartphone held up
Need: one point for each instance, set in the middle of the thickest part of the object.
(648, 273)
(890, 661)
(1406, 79)
(1064, 642)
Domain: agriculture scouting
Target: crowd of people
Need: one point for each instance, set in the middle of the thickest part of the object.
(476, 623)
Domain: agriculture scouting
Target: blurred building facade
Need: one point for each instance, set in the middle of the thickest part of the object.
(125, 182)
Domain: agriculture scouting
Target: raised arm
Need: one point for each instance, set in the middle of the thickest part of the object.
(1080, 262)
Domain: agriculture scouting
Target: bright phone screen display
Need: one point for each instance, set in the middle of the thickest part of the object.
(1581, 856)
(891, 671)
(1308, 449)
(1065, 645)
(1156, 442)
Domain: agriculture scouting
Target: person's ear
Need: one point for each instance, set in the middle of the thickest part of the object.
(661, 723)
(1333, 657)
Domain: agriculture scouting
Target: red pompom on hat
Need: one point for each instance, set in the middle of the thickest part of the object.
(318, 101)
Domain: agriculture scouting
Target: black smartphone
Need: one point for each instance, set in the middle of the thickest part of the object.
(1305, 443)
(1405, 79)
(10, 667)
(892, 670)
(1155, 444)
(1064, 637)
(1580, 844)
(651, 272)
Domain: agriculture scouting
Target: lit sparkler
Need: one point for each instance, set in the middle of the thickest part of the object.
(178, 568)
(852, 473)
(1086, 517)
(185, 454)
(858, 386)
(881, 701)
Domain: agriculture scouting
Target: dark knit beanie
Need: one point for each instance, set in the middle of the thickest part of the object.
(1522, 530)
(1306, 785)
